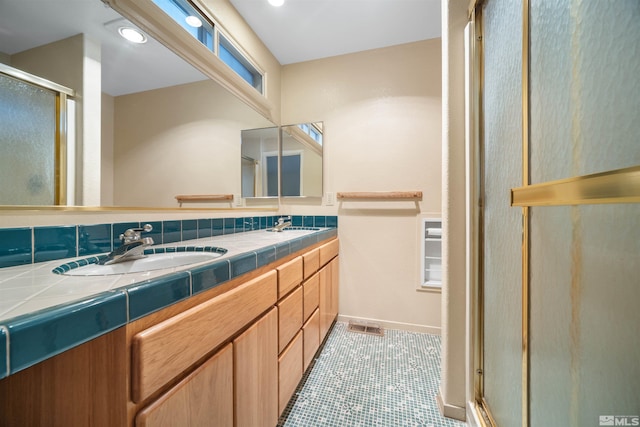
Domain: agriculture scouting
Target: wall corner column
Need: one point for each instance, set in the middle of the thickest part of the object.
(452, 397)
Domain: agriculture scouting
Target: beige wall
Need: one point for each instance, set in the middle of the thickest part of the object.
(382, 118)
(179, 140)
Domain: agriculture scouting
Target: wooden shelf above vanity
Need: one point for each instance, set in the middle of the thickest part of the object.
(380, 195)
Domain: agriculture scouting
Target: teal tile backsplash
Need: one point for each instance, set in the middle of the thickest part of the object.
(189, 229)
(171, 231)
(26, 245)
(204, 228)
(15, 247)
(51, 243)
(94, 239)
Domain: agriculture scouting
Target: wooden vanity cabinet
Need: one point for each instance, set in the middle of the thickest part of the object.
(233, 355)
(268, 355)
(308, 313)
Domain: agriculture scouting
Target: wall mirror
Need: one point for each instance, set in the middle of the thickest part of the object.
(301, 160)
(260, 162)
(147, 126)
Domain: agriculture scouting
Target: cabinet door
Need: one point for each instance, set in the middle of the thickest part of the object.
(204, 398)
(328, 296)
(255, 369)
(335, 289)
(311, 338)
(289, 371)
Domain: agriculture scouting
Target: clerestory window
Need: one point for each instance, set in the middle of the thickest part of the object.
(204, 30)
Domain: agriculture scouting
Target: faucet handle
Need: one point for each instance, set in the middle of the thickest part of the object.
(283, 219)
(133, 234)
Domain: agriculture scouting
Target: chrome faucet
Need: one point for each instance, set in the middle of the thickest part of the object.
(283, 222)
(132, 246)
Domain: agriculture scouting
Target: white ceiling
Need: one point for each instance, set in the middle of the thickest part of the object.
(302, 30)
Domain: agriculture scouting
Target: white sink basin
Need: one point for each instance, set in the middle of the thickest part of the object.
(149, 263)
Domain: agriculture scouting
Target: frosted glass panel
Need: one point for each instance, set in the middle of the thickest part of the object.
(585, 321)
(584, 87)
(27, 143)
(503, 224)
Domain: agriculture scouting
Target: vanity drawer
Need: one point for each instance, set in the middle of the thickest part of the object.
(311, 262)
(328, 251)
(289, 276)
(311, 335)
(289, 318)
(167, 349)
(311, 295)
(289, 371)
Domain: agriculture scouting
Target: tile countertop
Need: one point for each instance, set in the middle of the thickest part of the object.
(43, 314)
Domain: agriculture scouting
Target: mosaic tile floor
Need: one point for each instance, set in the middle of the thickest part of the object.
(363, 380)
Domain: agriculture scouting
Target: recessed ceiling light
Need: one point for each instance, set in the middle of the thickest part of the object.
(132, 34)
(193, 21)
(276, 2)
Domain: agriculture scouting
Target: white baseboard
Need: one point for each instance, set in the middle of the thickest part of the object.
(451, 411)
(473, 418)
(411, 327)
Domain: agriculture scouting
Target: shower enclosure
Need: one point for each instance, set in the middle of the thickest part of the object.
(559, 222)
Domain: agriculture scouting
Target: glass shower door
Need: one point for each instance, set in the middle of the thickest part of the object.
(502, 310)
(27, 143)
(560, 228)
(585, 258)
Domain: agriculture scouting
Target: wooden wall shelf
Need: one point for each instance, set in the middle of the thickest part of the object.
(380, 195)
(203, 198)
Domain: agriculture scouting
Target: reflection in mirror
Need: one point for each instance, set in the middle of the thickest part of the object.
(148, 126)
(301, 160)
(260, 162)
